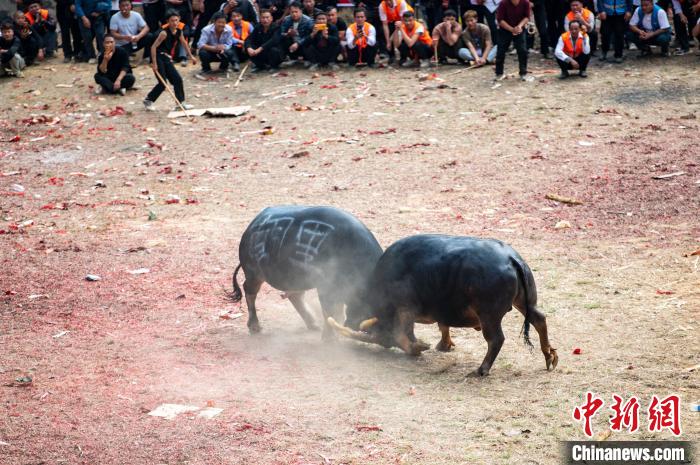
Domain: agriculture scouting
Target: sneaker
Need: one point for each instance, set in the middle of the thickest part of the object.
(99, 90)
(523, 77)
(564, 75)
(546, 56)
(186, 106)
(335, 67)
(633, 46)
(183, 63)
(583, 74)
(236, 67)
(308, 64)
(122, 91)
(645, 52)
(67, 59)
(618, 60)
(603, 57)
(313, 67)
(287, 63)
(148, 105)
(92, 61)
(254, 69)
(425, 63)
(680, 53)
(274, 69)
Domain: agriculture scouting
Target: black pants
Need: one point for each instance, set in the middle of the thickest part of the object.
(144, 43)
(71, 39)
(167, 70)
(153, 15)
(485, 16)
(582, 61)
(268, 58)
(613, 28)
(447, 51)
(322, 55)
(504, 40)
(108, 85)
(383, 46)
(286, 43)
(419, 50)
(556, 10)
(593, 39)
(540, 13)
(368, 55)
(226, 58)
(684, 31)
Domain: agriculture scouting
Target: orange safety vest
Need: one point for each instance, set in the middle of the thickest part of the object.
(394, 14)
(585, 14)
(362, 42)
(571, 49)
(245, 31)
(30, 17)
(424, 37)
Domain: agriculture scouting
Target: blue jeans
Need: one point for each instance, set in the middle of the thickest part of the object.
(662, 40)
(96, 32)
(466, 55)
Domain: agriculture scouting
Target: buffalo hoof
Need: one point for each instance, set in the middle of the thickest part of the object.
(254, 328)
(418, 347)
(443, 346)
(552, 359)
(482, 371)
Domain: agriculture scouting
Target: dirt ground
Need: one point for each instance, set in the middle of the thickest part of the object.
(407, 153)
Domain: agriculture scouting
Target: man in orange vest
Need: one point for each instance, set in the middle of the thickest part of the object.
(573, 50)
(361, 39)
(413, 41)
(390, 13)
(241, 30)
(586, 18)
(44, 25)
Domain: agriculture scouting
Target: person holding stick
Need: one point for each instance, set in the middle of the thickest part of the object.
(163, 51)
(361, 39)
(446, 37)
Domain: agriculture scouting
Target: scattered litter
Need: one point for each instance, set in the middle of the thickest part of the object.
(38, 296)
(3, 443)
(140, 271)
(64, 86)
(60, 334)
(210, 412)
(170, 411)
(516, 432)
(691, 254)
(559, 198)
(664, 292)
(693, 408)
(172, 198)
(563, 224)
(412, 391)
(227, 315)
(152, 216)
(92, 277)
(585, 143)
(368, 428)
(213, 112)
(577, 351)
(24, 380)
(693, 368)
(16, 188)
(670, 175)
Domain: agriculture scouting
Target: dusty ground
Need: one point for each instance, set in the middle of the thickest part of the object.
(447, 155)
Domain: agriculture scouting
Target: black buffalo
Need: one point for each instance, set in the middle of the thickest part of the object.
(454, 281)
(297, 248)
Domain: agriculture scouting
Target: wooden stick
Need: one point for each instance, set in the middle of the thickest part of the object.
(240, 76)
(170, 91)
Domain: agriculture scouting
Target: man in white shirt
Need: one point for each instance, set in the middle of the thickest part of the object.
(129, 30)
(361, 39)
(573, 50)
(649, 26)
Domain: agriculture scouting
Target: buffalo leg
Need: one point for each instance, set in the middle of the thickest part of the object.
(493, 333)
(331, 307)
(445, 344)
(297, 299)
(539, 321)
(403, 334)
(251, 287)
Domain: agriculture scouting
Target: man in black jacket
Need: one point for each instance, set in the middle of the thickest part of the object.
(246, 9)
(31, 47)
(263, 45)
(324, 45)
(113, 70)
(11, 62)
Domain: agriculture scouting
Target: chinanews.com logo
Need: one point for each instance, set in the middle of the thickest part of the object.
(630, 415)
